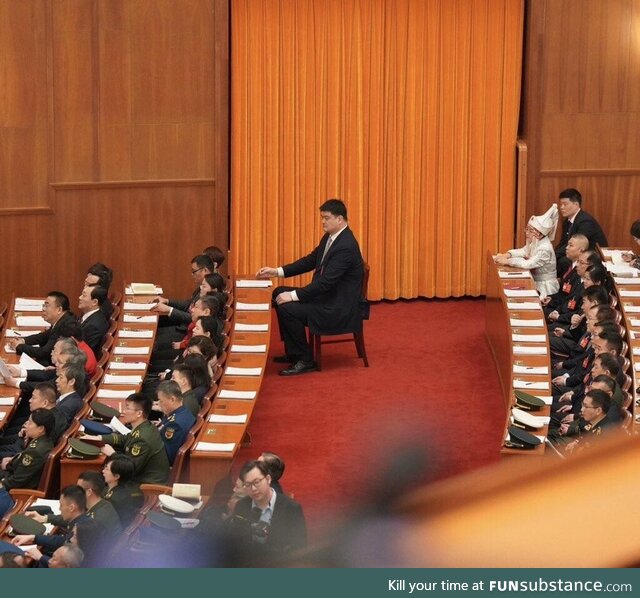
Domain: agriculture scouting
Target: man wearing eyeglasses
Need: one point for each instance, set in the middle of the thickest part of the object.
(276, 525)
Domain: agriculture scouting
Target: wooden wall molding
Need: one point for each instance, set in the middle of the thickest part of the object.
(78, 185)
(32, 211)
(582, 172)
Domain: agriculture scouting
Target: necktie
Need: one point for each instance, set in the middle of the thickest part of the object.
(326, 249)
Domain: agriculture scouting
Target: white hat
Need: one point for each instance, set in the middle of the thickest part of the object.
(547, 223)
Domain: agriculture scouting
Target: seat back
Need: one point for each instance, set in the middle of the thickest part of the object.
(183, 451)
(50, 478)
(107, 343)
(364, 302)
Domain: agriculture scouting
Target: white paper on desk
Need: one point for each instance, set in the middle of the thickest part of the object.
(632, 309)
(608, 252)
(636, 367)
(10, 333)
(218, 447)
(143, 288)
(123, 365)
(253, 284)
(530, 369)
(29, 363)
(625, 293)
(130, 306)
(252, 306)
(249, 348)
(523, 384)
(236, 394)
(635, 322)
(140, 319)
(529, 338)
(526, 323)
(505, 274)
(188, 523)
(520, 293)
(627, 280)
(535, 421)
(135, 333)
(32, 321)
(524, 305)
(4, 370)
(121, 379)
(8, 349)
(2, 414)
(621, 270)
(118, 426)
(26, 301)
(522, 350)
(636, 350)
(228, 419)
(239, 327)
(231, 371)
(131, 350)
(28, 307)
(7, 401)
(54, 505)
(104, 393)
(547, 399)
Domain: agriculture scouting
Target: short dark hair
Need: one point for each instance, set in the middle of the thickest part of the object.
(275, 464)
(45, 418)
(216, 281)
(635, 229)
(205, 344)
(572, 195)
(70, 328)
(608, 381)
(210, 302)
(48, 391)
(335, 207)
(170, 388)
(597, 294)
(599, 398)
(99, 293)
(605, 313)
(122, 466)
(212, 325)
(203, 261)
(142, 402)
(609, 363)
(186, 371)
(95, 480)
(216, 254)
(200, 369)
(104, 274)
(613, 339)
(598, 275)
(76, 495)
(73, 372)
(249, 465)
(61, 300)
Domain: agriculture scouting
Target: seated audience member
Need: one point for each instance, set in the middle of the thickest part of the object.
(273, 524)
(538, 254)
(216, 255)
(55, 311)
(183, 377)
(209, 326)
(93, 323)
(207, 305)
(612, 388)
(144, 444)
(25, 469)
(276, 469)
(577, 222)
(14, 439)
(122, 492)
(73, 510)
(629, 256)
(204, 346)
(177, 311)
(70, 384)
(67, 556)
(560, 306)
(201, 379)
(213, 283)
(72, 331)
(101, 276)
(177, 420)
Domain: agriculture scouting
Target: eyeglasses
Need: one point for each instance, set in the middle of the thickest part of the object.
(196, 271)
(253, 484)
(588, 406)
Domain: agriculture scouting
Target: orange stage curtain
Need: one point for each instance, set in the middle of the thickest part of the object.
(405, 109)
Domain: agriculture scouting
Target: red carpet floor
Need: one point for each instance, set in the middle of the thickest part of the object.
(432, 383)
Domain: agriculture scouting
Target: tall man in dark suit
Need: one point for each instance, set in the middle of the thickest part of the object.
(330, 304)
(577, 222)
(93, 322)
(70, 383)
(55, 311)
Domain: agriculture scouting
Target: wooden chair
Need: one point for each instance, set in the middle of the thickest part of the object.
(107, 343)
(228, 316)
(1, 322)
(91, 392)
(115, 313)
(315, 340)
(627, 421)
(115, 298)
(97, 376)
(3, 307)
(113, 326)
(104, 359)
(183, 451)
(627, 383)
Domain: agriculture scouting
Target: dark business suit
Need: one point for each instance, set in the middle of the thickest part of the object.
(69, 406)
(40, 345)
(583, 224)
(94, 329)
(330, 303)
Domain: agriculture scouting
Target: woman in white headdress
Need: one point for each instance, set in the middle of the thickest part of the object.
(538, 254)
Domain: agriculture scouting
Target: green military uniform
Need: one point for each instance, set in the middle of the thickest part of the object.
(145, 446)
(25, 468)
(190, 401)
(127, 499)
(102, 512)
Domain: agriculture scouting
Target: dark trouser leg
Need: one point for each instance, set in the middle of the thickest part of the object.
(293, 320)
(274, 294)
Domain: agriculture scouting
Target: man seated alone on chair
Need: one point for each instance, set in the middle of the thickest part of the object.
(330, 304)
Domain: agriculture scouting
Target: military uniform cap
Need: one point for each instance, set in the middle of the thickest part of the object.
(12, 548)
(94, 427)
(163, 521)
(104, 411)
(83, 450)
(524, 400)
(521, 440)
(22, 524)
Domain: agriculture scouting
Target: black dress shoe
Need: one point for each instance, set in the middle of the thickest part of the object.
(300, 367)
(283, 359)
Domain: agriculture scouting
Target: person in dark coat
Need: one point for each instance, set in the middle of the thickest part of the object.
(330, 304)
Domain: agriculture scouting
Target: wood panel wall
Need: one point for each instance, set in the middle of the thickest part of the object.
(581, 108)
(113, 139)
